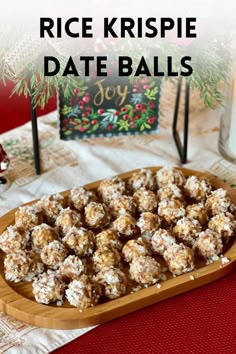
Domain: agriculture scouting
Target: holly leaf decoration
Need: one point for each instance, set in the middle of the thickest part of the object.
(151, 93)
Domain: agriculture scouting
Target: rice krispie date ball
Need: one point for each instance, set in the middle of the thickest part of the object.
(170, 191)
(161, 241)
(121, 205)
(219, 202)
(208, 244)
(197, 188)
(186, 230)
(171, 210)
(67, 219)
(105, 258)
(168, 175)
(51, 206)
(53, 254)
(125, 225)
(145, 200)
(108, 239)
(145, 270)
(21, 266)
(72, 267)
(142, 179)
(198, 212)
(83, 292)
(13, 239)
(111, 188)
(27, 217)
(224, 225)
(81, 241)
(42, 235)
(148, 223)
(135, 248)
(80, 197)
(96, 215)
(179, 258)
(48, 288)
(113, 282)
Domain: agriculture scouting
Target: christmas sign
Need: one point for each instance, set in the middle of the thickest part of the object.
(110, 106)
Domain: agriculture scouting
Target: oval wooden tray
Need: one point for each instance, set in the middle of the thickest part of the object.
(17, 300)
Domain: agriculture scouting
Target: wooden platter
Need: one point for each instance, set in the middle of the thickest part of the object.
(17, 299)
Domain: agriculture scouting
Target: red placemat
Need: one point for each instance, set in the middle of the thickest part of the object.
(200, 321)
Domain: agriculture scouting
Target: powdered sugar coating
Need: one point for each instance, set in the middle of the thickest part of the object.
(219, 202)
(168, 175)
(186, 230)
(52, 205)
(142, 179)
(53, 254)
(171, 210)
(83, 292)
(198, 212)
(135, 248)
(81, 241)
(72, 267)
(80, 197)
(224, 225)
(27, 217)
(125, 225)
(67, 219)
(145, 270)
(161, 241)
(170, 191)
(13, 239)
(148, 223)
(96, 215)
(145, 200)
(121, 205)
(209, 244)
(42, 235)
(179, 258)
(48, 288)
(111, 188)
(113, 282)
(108, 239)
(197, 188)
(105, 258)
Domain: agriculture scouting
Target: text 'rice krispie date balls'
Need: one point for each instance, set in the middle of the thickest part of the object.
(81, 241)
(171, 210)
(145, 270)
(113, 282)
(145, 200)
(51, 206)
(67, 219)
(198, 212)
(179, 258)
(13, 239)
(83, 292)
(21, 266)
(148, 223)
(53, 254)
(125, 225)
(42, 235)
(219, 202)
(161, 241)
(186, 230)
(169, 175)
(72, 267)
(142, 179)
(80, 197)
(96, 215)
(170, 191)
(208, 244)
(27, 217)
(108, 239)
(135, 248)
(224, 225)
(197, 188)
(105, 258)
(111, 188)
(48, 288)
(121, 205)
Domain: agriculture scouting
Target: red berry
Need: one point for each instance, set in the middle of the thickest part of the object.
(85, 115)
(132, 125)
(101, 111)
(87, 94)
(81, 107)
(137, 117)
(146, 87)
(139, 106)
(71, 120)
(77, 90)
(64, 121)
(143, 110)
(151, 120)
(151, 104)
(94, 121)
(125, 116)
(145, 80)
(123, 109)
(80, 103)
(110, 126)
(86, 99)
(116, 113)
(89, 110)
(135, 85)
(81, 129)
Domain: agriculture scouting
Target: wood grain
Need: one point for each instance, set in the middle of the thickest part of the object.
(17, 300)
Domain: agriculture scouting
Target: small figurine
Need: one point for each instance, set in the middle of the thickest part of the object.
(4, 163)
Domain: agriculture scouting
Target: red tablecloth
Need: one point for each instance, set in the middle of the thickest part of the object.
(200, 321)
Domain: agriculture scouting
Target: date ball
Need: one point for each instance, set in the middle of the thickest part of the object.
(145, 200)
(42, 235)
(113, 282)
(111, 188)
(80, 197)
(14, 239)
(224, 225)
(135, 248)
(145, 270)
(219, 202)
(179, 258)
(96, 215)
(51, 206)
(168, 175)
(142, 179)
(171, 210)
(53, 254)
(198, 212)
(197, 188)
(108, 239)
(27, 217)
(81, 241)
(122, 205)
(66, 220)
(209, 244)
(161, 241)
(105, 258)
(125, 225)
(148, 223)
(72, 267)
(170, 191)
(48, 288)
(186, 230)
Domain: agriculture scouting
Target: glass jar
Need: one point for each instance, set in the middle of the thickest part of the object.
(227, 135)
